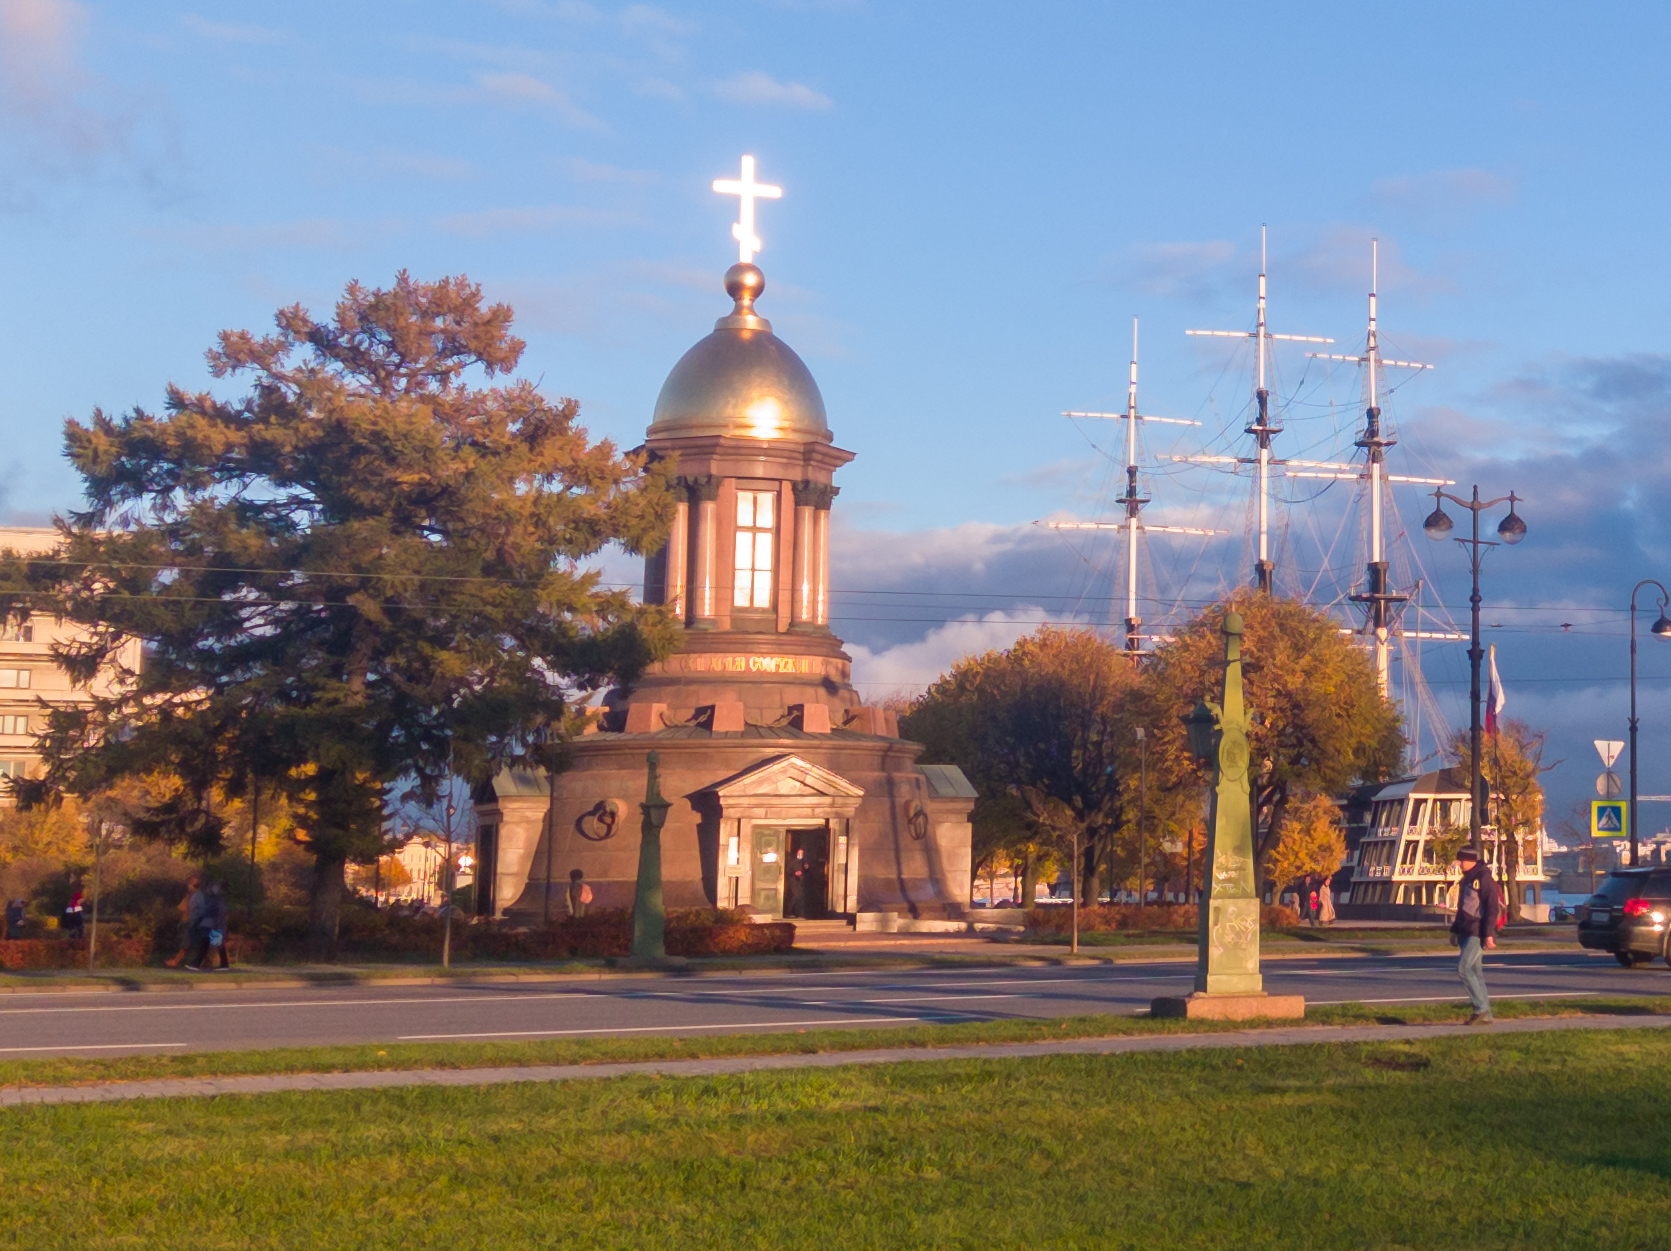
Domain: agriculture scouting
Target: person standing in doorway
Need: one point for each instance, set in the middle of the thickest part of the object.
(578, 894)
(1475, 929)
(797, 883)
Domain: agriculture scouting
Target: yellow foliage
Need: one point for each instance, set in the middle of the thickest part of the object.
(43, 833)
(1311, 840)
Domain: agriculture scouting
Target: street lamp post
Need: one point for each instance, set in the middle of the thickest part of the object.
(1511, 530)
(1142, 814)
(1661, 628)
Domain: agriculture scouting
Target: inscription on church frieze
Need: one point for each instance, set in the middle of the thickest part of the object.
(754, 664)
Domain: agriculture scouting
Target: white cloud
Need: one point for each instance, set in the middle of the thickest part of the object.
(911, 666)
(1445, 196)
(533, 219)
(1187, 269)
(224, 32)
(59, 117)
(592, 171)
(759, 87)
(517, 88)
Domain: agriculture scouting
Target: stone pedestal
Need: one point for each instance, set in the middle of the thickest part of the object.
(1208, 1007)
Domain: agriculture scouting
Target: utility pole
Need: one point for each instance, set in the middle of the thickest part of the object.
(1132, 501)
(1264, 569)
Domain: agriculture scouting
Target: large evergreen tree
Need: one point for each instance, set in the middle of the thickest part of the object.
(361, 570)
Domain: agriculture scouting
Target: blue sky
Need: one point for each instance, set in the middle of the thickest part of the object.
(978, 198)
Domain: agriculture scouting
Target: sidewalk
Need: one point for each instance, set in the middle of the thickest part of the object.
(111, 1092)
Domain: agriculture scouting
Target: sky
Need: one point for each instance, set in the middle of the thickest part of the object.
(978, 199)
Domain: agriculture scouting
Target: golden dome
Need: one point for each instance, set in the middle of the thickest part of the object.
(741, 380)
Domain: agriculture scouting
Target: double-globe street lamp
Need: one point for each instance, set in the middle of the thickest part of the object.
(1662, 628)
(1510, 529)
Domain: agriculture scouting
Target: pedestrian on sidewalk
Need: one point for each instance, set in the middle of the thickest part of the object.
(73, 915)
(1325, 904)
(578, 895)
(212, 929)
(197, 905)
(1474, 929)
(183, 946)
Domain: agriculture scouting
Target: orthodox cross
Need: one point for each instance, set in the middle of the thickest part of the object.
(747, 192)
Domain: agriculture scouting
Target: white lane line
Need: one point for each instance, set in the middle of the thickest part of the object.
(830, 1003)
(650, 1029)
(95, 1047)
(1542, 994)
(296, 1003)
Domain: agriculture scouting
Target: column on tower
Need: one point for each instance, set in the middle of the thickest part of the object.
(676, 556)
(804, 578)
(704, 497)
(822, 496)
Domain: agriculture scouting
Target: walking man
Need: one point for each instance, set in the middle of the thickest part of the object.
(1475, 929)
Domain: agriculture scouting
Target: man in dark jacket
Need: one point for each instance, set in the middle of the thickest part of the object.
(1475, 927)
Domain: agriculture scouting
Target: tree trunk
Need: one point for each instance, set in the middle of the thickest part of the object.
(328, 883)
(1091, 871)
(1265, 845)
(1029, 879)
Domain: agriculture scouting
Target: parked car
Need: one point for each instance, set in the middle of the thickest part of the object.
(1628, 916)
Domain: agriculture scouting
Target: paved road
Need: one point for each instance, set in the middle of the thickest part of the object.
(208, 1019)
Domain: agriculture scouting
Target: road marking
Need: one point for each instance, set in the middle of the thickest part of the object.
(95, 1047)
(1542, 994)
(650, 1029)
(238, 1005)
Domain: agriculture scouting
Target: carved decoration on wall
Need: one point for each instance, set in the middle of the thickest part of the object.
(600, 821)
(917, 823)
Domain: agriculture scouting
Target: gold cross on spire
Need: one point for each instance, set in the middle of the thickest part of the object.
(747, 191)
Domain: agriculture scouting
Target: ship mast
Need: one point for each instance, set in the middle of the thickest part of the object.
(1264, 569)
(1132, 501)
(1380, 601)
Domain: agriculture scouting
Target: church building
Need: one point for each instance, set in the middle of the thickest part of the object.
(791, 796)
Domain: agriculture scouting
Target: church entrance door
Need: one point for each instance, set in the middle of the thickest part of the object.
(807, 881)
(768, 871)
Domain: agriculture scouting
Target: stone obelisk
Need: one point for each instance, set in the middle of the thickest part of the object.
(1228, 985)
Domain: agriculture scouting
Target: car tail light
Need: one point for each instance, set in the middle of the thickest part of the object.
(1636, 907)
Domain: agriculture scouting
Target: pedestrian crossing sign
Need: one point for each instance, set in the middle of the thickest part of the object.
(1607, 818)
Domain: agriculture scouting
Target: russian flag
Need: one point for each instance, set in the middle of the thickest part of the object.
(1494, 697)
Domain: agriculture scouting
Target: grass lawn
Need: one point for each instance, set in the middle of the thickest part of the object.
(1533, 1140)
(369, 1057)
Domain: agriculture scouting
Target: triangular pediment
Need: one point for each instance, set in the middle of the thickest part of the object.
(786, 777)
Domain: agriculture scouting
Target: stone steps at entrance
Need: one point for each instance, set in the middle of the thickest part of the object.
(831, 925)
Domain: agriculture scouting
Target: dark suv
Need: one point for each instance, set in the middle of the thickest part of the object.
(1628, 916)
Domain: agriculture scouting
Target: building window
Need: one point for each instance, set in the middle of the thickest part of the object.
(14, 677)
(14, 725)
(14, 768)
(756, 518)
(18, 634)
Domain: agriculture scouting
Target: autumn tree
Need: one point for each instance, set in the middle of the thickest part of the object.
(1511, 759)
(1318, 721)
(1312, 844)
(1046, 723)
(361, 569)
